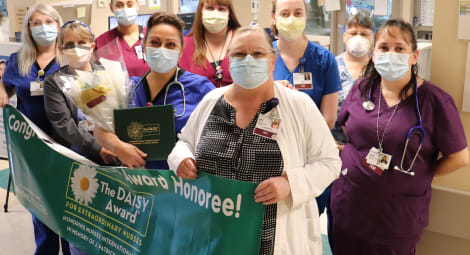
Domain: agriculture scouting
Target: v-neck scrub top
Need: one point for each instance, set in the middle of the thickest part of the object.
(187, 62)
(31, 106)
(195, 88)
(321, 63)
(392, 209)
(107, 47)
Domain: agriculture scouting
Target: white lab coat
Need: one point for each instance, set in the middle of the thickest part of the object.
(311, 162)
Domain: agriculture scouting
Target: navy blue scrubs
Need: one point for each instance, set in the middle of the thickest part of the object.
(47, 242)
(195, 88)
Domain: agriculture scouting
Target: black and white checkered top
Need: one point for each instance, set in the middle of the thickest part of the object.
(229, 151)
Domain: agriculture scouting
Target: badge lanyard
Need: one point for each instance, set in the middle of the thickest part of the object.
(381, 140)
(218, 63)
(376, 159)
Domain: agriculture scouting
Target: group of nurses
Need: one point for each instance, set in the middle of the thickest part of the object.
(163, 47)
(379, 204)
(396, 124)
(25, 72)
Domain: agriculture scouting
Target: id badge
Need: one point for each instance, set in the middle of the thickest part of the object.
(376, 160)
(303, 81)
(267, 126)
(139, 52)
(36, 88)
(384, 160)
(373, 168)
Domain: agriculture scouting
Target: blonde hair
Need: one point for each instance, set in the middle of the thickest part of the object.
(274, 30)
(255, 29)
(197, 31)
(79, 30)
(27, 53)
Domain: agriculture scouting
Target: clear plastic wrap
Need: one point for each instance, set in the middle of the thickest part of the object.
(99, 92)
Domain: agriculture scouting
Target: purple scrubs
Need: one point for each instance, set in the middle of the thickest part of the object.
(391, 209)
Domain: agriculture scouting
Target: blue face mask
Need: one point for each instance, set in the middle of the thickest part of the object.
(161, 60)
(392, 66)
(44, 35)
(249, 72)
(125, 16)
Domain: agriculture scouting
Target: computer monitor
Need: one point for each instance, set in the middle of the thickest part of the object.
(188, 19)
(141, 20)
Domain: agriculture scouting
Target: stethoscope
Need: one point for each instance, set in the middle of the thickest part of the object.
(419, 130)
(174, 82)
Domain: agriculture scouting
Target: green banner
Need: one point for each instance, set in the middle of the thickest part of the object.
(104, 210)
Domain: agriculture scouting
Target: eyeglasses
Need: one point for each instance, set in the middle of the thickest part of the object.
(37, 23)
(73, 46)
(255, 54)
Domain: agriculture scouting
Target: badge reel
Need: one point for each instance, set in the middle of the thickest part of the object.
(268, 125)
(37, 87)
(368, 105)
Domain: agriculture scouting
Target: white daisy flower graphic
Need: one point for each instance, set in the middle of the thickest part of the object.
(84, 184)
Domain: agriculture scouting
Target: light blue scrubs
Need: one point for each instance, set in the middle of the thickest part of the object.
(195, 88)
(347, 83)
(321, 63)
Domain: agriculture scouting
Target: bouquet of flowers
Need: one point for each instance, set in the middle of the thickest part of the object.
(99, 92)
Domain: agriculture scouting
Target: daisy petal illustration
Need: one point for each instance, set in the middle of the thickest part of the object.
(84, 184)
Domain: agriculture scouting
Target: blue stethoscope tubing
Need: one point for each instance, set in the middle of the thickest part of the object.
(174, 82)
(419, 130)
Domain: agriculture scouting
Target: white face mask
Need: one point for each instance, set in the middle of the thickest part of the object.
(77, 57)
(214, 21)
(44, 35)
(161, 60)
(358, 46)
(125, 16)
(392, 66)
(249, 72)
